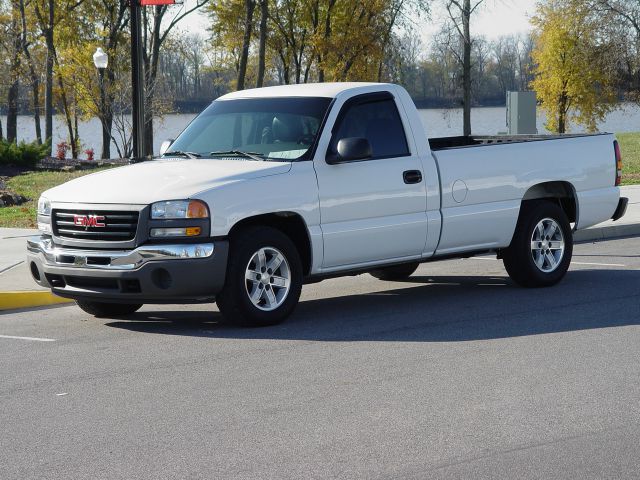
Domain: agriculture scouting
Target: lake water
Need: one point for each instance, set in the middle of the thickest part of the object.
(438, 123)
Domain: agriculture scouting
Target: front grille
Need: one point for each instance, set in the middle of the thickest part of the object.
(119, 226)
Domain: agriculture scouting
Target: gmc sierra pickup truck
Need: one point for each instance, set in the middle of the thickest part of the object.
(272, 188)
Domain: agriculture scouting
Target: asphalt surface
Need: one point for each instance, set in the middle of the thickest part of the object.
(456, 373)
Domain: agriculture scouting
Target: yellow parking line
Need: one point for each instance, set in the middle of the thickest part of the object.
(14, 300)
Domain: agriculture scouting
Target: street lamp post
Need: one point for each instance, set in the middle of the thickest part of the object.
(101, 61)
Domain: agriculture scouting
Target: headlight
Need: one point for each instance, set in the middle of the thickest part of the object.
(177, 209)
(44, 206)
(44, 215)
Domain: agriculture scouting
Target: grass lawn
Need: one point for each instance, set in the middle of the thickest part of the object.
(630, 147)
(31, 185)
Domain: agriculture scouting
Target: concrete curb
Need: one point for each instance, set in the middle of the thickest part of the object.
(29, 299)
(608, 232)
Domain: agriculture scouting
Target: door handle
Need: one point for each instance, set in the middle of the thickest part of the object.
(412, 176)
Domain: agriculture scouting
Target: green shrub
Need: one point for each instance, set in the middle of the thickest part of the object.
(22, 154)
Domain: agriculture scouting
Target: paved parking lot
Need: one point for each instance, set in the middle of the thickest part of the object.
(454, 374)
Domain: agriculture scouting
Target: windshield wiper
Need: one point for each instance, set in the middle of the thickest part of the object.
(183, 154)
(252, 155)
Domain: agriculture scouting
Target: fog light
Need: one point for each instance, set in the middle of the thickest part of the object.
(35, 272)
(161, 278)
(175, 232)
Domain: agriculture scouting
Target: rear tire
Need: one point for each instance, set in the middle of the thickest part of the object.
(395, 272)
(107, 310)
(264, 278)
(542, 246)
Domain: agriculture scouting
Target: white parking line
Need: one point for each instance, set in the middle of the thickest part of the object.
(6, 269)
(572, 262)
(599, 264)
(33, 339)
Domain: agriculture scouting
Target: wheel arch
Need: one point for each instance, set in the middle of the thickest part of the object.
(291, 224)
(561, 192)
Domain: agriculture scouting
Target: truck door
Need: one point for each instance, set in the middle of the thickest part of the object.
(372, 209)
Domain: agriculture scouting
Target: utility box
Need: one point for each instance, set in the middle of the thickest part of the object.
(521, 113)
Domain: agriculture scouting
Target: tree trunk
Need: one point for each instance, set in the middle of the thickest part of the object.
(12, 109)
(48, 94)
(75, 145)
(35, 80)
(562, 113)
(107, 94)
(264, 14)
(387, 37)
(150, 75)
(35, 91)
(249, 6)
(14, 76)
(152, 40)
(73, 137)
(466, 68)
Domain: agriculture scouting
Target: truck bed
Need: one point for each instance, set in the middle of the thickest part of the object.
(446, 143)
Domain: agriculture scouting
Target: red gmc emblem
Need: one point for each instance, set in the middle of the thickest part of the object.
(93, 221)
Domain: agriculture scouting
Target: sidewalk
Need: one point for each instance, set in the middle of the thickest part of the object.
(629, 225)
(17, 288)
(15, 275)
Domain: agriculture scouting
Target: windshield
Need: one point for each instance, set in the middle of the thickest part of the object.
(272, 128)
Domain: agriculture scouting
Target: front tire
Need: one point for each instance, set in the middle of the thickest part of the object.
(542, 246)
(264, 278)
(108, 310)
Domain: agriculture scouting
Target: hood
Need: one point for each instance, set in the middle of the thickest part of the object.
(166, 179)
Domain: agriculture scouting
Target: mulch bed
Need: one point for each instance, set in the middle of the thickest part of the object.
(53, 163)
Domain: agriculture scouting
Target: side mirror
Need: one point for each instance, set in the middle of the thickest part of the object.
(350, 149)
(165, 146)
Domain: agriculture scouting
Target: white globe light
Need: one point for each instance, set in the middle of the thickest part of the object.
(100, 58)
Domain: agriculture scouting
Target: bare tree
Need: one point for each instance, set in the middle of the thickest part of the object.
(628, 11)
(249, 7)
(506, 56)
(264, 16)
(158, 22)
(34, 76)
(14, 73)
(114, 18)
(47, 22)
(460, 12)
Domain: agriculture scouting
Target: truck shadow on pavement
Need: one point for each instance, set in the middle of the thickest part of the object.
(431, 309)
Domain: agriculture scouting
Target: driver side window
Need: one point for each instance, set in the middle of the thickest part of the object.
(375, 118)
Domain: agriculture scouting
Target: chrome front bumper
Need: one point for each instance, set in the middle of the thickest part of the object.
(116, 259)
(172, 273)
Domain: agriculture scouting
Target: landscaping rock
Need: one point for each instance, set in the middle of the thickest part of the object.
(9, 199)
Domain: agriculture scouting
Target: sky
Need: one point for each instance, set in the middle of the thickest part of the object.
(503, 17)
(493, 19)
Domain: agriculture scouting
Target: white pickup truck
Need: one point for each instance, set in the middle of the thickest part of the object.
(272, 188)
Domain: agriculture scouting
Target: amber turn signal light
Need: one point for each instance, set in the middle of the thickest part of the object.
(197, 209)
